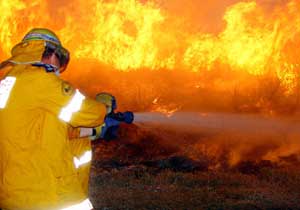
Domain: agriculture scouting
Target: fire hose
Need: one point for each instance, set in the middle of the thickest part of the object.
(113, 120)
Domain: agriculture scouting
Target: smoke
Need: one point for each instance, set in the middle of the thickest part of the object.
(208, 17)
(199, 16)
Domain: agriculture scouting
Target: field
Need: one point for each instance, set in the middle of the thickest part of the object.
(212, 166)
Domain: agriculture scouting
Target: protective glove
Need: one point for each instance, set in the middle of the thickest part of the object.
(108, 100)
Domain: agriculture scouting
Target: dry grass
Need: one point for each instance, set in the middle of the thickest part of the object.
(141, 188)
(151, 170)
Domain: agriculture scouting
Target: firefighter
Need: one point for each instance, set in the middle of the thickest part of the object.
(37, 108)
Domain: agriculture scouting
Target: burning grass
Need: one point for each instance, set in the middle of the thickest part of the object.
(221, 89)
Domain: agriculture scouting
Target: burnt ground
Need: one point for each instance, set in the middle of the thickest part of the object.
(150, 167)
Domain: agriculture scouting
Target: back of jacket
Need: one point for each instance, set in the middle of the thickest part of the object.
(36, 163)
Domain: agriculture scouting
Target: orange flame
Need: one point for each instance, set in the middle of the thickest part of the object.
(168, 110)
(130, 35)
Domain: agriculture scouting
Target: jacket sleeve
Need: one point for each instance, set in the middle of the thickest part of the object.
(68, 104)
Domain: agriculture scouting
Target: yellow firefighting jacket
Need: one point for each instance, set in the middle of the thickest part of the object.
(37, 170)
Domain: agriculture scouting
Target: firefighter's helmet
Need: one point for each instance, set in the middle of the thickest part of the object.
(51, 42)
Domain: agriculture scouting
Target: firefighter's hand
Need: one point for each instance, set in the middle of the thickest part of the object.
(108, 100)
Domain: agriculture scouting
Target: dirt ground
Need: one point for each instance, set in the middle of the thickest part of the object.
(162, 167)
